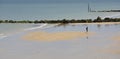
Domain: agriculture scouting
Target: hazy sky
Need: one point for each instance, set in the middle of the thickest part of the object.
(53, 9)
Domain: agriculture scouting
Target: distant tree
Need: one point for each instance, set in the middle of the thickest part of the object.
(42, 21)
(98, 19)
(106, 20)
(6, 21)
(82, 21)
(36, 21)
(116, 20)
(1, 21)
(64, 21)
(88, 20)
(11, 21)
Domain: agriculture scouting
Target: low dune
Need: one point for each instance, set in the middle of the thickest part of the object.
(46, 36)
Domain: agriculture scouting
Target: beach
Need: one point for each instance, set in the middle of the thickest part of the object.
(59, 29)
(44, 36)
(47, 36)
(117, 36)
(61, 41)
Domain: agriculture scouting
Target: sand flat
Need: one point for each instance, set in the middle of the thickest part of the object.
(114, 47)
(116, 38)
(110, 51)
(46, 36)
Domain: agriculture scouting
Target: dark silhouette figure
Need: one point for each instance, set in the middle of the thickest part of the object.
(87, 32)
(86, 29)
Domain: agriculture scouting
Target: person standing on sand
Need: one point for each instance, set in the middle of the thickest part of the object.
(87, 29)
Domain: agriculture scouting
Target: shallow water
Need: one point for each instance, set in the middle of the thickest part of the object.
(99, 46)
(7, 29)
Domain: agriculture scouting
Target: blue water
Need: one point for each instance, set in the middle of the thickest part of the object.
(56, 11)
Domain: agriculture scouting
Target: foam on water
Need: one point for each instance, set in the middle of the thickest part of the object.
(9, 34)
(2, 36)
(36, 27)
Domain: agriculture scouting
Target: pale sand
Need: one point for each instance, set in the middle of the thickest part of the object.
(114, 48)
(97, 23)
(116, 37)
(45, 36)
(111, 51)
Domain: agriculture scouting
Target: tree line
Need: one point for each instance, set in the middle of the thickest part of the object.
(98, 19)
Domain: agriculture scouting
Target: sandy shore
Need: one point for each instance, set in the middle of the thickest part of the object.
(46, 36)
(117, 36)
(111, 51)
(113, 48)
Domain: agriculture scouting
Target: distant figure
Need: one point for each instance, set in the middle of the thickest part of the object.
(86, 29)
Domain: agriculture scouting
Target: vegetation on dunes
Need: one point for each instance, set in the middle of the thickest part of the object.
(98, 19)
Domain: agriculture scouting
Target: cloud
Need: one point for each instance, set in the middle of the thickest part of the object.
(113, 16)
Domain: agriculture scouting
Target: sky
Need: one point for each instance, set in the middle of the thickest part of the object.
(53, 9)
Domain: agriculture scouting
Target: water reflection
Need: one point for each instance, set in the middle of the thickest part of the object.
(87, 35)
(62, 24)
(116, 24)
(98, 25)
(107, 25)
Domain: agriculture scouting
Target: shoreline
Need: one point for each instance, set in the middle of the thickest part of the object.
(98, 23)
(69, 23)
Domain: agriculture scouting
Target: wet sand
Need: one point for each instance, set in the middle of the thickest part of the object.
(111, 51)
(114, 47)
(117, 37)
(46, 36)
